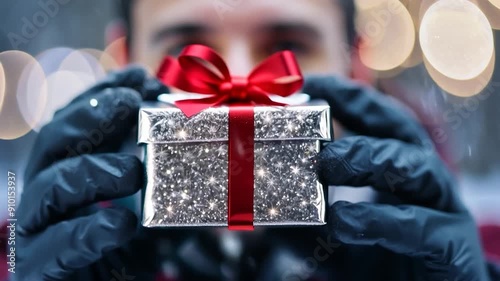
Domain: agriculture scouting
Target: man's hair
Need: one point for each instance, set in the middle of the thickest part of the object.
(346, 5)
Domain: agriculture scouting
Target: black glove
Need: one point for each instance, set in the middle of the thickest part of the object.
(429, 234)
(73, 165)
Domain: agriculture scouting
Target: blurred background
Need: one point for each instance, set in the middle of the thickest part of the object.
(51, 53)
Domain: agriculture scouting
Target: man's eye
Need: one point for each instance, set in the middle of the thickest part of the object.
(176, 49)
(294, 46)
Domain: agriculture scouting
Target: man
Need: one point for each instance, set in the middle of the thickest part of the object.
(426, 234)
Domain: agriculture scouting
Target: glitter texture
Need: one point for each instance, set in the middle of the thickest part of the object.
(187, 166)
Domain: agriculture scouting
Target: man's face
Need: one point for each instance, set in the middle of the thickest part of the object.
(243, 32)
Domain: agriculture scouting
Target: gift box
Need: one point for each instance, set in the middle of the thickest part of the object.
(187, 165)
(235, 154)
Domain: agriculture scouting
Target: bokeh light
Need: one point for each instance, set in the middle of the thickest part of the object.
(82, 62)
(63, 86)
(462, 88)
(496, 3)
(424, 6)
(415, 57)
(24, 100)
(69, 72)
(456, 39)
(367, 4)
(32, 93)
(388, 73)
(51, 59)
(413, 8)
(491, 11)
(387, 35)
(2, 85)
(116, 50)
(106, 61)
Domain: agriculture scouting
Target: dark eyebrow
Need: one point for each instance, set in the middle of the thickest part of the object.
(185, 29)
(291, 27)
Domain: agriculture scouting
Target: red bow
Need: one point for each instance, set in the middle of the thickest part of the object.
(200, 69)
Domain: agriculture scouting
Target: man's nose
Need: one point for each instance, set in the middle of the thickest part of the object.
(238, 56)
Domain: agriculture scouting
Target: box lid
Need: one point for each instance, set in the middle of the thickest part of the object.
(164, 123)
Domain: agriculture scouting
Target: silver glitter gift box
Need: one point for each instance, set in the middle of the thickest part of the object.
(187, 165)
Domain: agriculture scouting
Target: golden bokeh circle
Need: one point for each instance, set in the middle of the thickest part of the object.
(367, 4)
(32, 93)
(456, 39)
(495, 3)
(387, 35)
(25, 94)
(82, 62)
(117, 50)
(462, 88)
(106, 61)
(491, 11)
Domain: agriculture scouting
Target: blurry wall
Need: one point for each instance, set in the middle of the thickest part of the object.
(73, 23)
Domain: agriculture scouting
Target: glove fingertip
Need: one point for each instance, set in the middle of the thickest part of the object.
(153, 88)
(333, 168)
(130, 76)
(119, 223)
(346, 221)
(127, 96)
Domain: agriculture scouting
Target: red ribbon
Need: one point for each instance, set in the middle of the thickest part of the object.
(201, 70)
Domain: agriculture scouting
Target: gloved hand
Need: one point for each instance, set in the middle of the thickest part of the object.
(429, 234)
(73, 165)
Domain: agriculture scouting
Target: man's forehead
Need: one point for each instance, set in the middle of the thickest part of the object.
(233, 13)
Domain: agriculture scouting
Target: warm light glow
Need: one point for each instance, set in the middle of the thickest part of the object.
(82, 62)
(117, 51)
(107, 62)
(491, 11)
(456, 39)
(413, 8)
(462, 88)
(495, 3)
(32, 93)
(13, 123)
(415, 57)
(387, 35)
(367, 4)
(424, 6)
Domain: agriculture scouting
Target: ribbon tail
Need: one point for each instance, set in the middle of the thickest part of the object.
(241, 168)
